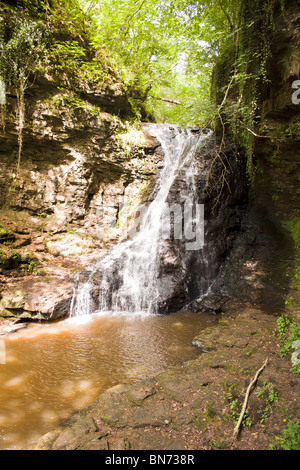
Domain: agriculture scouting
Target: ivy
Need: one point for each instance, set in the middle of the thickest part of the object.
(247, 76)
(288, 333)
(70, 63)
(22, 43)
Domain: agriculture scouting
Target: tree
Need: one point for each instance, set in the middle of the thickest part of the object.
(166, 49)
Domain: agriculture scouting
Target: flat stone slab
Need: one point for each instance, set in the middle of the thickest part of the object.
(41, 299)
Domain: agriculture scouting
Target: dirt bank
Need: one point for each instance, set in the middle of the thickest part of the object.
(195, 406)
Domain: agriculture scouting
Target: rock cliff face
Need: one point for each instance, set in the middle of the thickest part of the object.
(70, 158)
(61, 211)
(278, 152)
(181, 274)
(276, 192)
(80, 160)
(266, 255)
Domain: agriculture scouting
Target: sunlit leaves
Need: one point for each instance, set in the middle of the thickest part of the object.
(21, 46)
(168, 47)
(161, 49)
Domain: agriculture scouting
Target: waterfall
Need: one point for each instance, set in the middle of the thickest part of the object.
(127, 279)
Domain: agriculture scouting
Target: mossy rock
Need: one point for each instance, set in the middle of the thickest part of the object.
(6, 235)
(10, 260)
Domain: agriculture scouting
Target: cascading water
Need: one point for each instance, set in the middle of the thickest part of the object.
(127, 279)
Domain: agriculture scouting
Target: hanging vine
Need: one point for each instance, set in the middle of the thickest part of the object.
(245, 67)
(22, 41)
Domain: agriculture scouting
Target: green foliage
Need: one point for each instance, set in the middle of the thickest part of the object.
(70, 63)
(22, 44)
(67, 54)
(6, 234)
(165, 51)
(288, 333)
(9, 259)
(290, 438)
(181, 99)
(69, 20)
(235, 409)
(133, 31)
(293, 226)
(12, 259)
(165, 54)
(242, 69)
(31, 267)
(269, 395)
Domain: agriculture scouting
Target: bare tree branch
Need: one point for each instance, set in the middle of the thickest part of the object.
(167, 100)
(249, 389)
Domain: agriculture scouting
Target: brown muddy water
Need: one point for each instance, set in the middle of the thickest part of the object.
(52, 370)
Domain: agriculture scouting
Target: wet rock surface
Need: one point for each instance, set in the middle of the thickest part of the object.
(80, 219)
(81, 179)
(61, 212)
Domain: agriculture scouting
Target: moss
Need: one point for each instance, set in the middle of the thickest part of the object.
(132, 138)
(72, 101)
(6, 235)
(211, 413)
(10, 259)
(219, 444)
(293, 226)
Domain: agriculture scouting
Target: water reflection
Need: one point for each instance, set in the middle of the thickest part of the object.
(55, 369)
